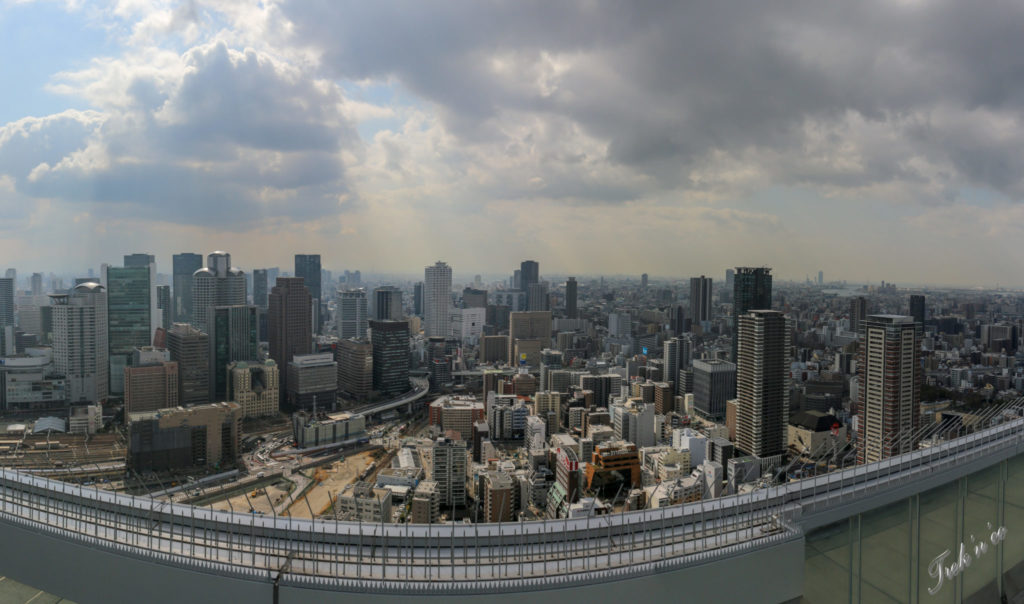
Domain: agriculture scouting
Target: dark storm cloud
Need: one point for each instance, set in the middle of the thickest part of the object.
(666, 85)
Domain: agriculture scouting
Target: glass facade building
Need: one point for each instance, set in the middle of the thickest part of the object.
(128, 316)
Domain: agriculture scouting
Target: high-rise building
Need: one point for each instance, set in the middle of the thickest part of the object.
(260, 287)
(448, 470)
(37, 284)
(537, 297)
(151, 381)
(700, 300)
(190, 348)
(529, 273)
(474, 298)
(255, 387)
(219, 284)
(307, 266)
(858, 311)
(529, 333)
(6, 302)
(129, 316)
(163, 305)
(312, 381)
(821, 278)
(417, 299)
(498, 497)
(80, 342)
(390, 341)
(570, 298)
(352, 313)
(889, 396)
(917, 308)
(714, 382)
(234, 336)
(185, 265)
(752, 290)
(437, 299)
(387, 303)
(355, 368)
(289, 322)
(761, 383)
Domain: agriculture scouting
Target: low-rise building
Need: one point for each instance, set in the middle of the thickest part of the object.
(362, 502)
(180, 438)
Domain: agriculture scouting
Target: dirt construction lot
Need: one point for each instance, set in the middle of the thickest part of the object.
(257, 499)
(339, 475)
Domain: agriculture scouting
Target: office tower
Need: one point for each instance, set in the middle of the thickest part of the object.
(163, 305)
(858, 310)
(448, 470)
(190, 348)
(714, 382)
(390, 342)
(643, 281)
(603, 386)
(312, 381)
(417, 299)
(700, 300)
(6, 302)
(233, 336)
(474, 298)
(761, 385)
(255, 387)
(151, 381)
(139, 260)
(821, 278)
(80, 342)
(917, 308)
(387, 303)
(752, 290)
(178, 439)
(889, 396)
(550, 360)
(351, 313)
(37, 284)
(467, 324)
(670, 359)
(289, 322)
(219, 284)
(437, 299)
(259, 287)
(355, 368)
(529, 274)
(570, 298)
(529, 333)
(537, 297)
(307, 266)
(184, 266)
(12, 274)
(129, 317)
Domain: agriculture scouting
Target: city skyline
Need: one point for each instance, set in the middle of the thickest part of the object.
(777, 136)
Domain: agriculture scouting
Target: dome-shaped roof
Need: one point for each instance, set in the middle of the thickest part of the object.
(89, 286)
(204, 271)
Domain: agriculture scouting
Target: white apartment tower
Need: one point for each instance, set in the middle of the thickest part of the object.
(437, 298)
(80, 342)
(761, 383)
(889, 396)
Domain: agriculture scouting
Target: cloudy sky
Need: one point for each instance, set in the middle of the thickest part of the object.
(874, 140)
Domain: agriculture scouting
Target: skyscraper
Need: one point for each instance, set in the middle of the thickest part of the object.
(474, 298)
(139, 260)
(190, 348)
(917, 308)
(529, 274)
(700, 300)
(6, 302)
(761, 386)
(390, 341)
(163, 305)
(448, 470)
(387, 303)
(437, 296)
(234, 336)
(37, 284)
(352, 316)
(219, 284)
(529, 333)
(417, 299)
(80, 342)
(570, 298)
(752, 290)
(858, 311)
(537, 297)
(355, 368)
(259, 287)
(185, 265)
(289, 322)
(714, 382)
(129, 317)
(307, 266)
(889, 367)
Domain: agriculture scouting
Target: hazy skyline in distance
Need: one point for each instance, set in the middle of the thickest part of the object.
(873, 140)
